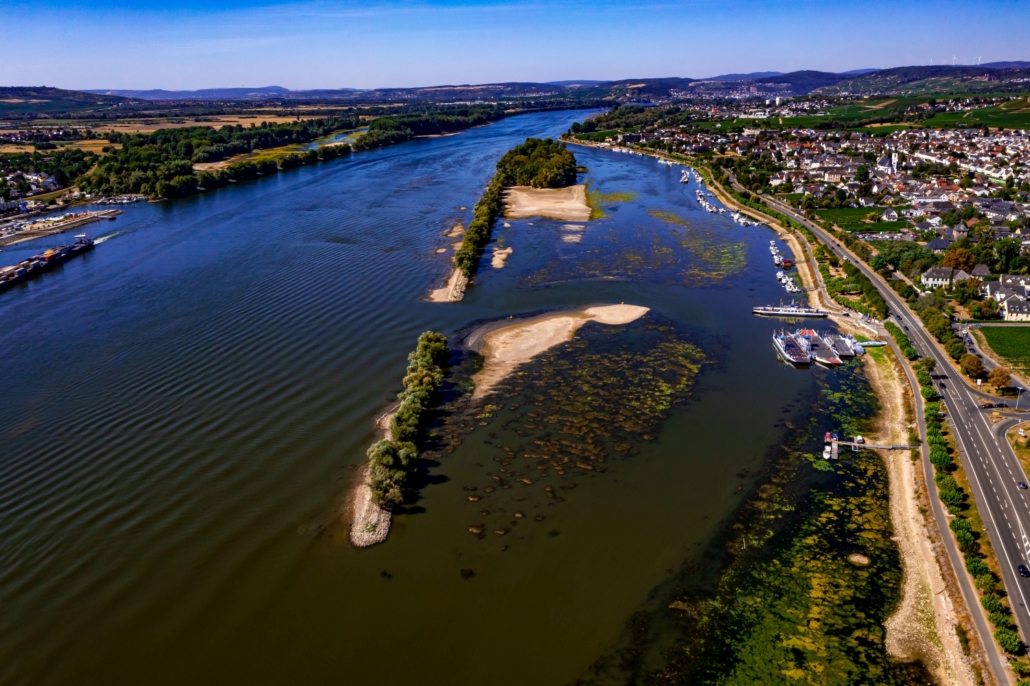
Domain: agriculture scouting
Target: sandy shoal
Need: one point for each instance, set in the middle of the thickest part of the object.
(507, 347)
(370, 523)
(565, 204)
(500, 256)
(453, 291)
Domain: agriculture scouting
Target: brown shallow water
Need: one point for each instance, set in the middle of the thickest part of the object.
(184, 409)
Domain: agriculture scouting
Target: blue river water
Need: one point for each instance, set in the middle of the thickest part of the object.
(185, 409)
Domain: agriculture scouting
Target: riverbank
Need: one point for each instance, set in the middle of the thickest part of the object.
(506, 347)
(923, 625)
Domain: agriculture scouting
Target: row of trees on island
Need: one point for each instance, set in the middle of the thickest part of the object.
(389, 130)
(540, 163)
(393, 462)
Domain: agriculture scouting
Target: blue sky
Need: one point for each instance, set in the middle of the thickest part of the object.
(188, 44)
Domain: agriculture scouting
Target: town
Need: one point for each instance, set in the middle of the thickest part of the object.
(955, 201)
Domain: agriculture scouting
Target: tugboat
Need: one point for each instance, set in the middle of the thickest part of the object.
(820, 353)
(791, 349)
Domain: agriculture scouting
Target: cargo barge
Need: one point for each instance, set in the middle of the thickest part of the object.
(44, 261)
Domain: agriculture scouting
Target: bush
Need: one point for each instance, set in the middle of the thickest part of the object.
(992, 603)
(1009, 641)
(977, 567)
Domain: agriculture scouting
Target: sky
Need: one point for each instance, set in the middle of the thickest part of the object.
(191, 44)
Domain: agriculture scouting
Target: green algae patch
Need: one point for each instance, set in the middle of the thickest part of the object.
(598, 201)
(691, 255)
(779, 597)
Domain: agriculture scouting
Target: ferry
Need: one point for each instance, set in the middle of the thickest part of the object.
(791, 349)
(791, 310)
(842, 346)
(818, 350)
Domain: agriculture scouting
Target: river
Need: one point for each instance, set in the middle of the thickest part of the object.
(184, 409)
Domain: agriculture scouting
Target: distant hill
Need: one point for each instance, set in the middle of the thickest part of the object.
(744, 77)
(933, 79)
(204, 94)
(28, 100)
(1005, 65)
(581, 82)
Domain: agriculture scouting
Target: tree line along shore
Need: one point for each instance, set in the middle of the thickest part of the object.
(168, 163)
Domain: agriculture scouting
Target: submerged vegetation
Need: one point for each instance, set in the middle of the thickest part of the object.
(692, 254)
(799, 586)
(393, 461)
(572, 412)
(541, 163)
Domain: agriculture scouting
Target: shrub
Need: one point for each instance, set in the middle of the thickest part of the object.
(976, 567)
(992, 603)
(1009, 641)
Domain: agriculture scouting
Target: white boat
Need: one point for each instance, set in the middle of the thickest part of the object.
(791, 310)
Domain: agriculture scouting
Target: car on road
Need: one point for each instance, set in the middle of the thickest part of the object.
(904, 327)
(898, 317)
(1022, 485)
(1001, 404)
(986, 406)
(1023, 571)
(942, 385)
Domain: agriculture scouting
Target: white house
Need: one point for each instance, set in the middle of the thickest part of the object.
(936, 277)
(1017, 310)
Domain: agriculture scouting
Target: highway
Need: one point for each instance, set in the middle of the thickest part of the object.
(989, 461)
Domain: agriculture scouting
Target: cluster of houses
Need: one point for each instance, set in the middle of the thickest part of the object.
(1011, 292)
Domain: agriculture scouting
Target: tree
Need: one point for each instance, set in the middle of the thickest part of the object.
(999, 377)
(862, 173)
(960, 258)
(972, 366)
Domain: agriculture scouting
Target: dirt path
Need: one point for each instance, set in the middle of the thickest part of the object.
(923, 627)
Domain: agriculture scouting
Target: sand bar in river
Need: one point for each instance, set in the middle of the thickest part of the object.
(565, 204)
(505, 347)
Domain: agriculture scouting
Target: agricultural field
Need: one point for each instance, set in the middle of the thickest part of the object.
(1011, 344)
(1014, 114)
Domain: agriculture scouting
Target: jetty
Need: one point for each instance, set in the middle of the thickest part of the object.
(833, 443)
(40, 228)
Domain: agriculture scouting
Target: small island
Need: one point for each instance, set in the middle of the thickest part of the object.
(527, 183)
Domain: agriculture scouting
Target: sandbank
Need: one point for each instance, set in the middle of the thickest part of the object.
(565, 204)
(499, 257)
(369, 523)
(505, 347)
(453, 291)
